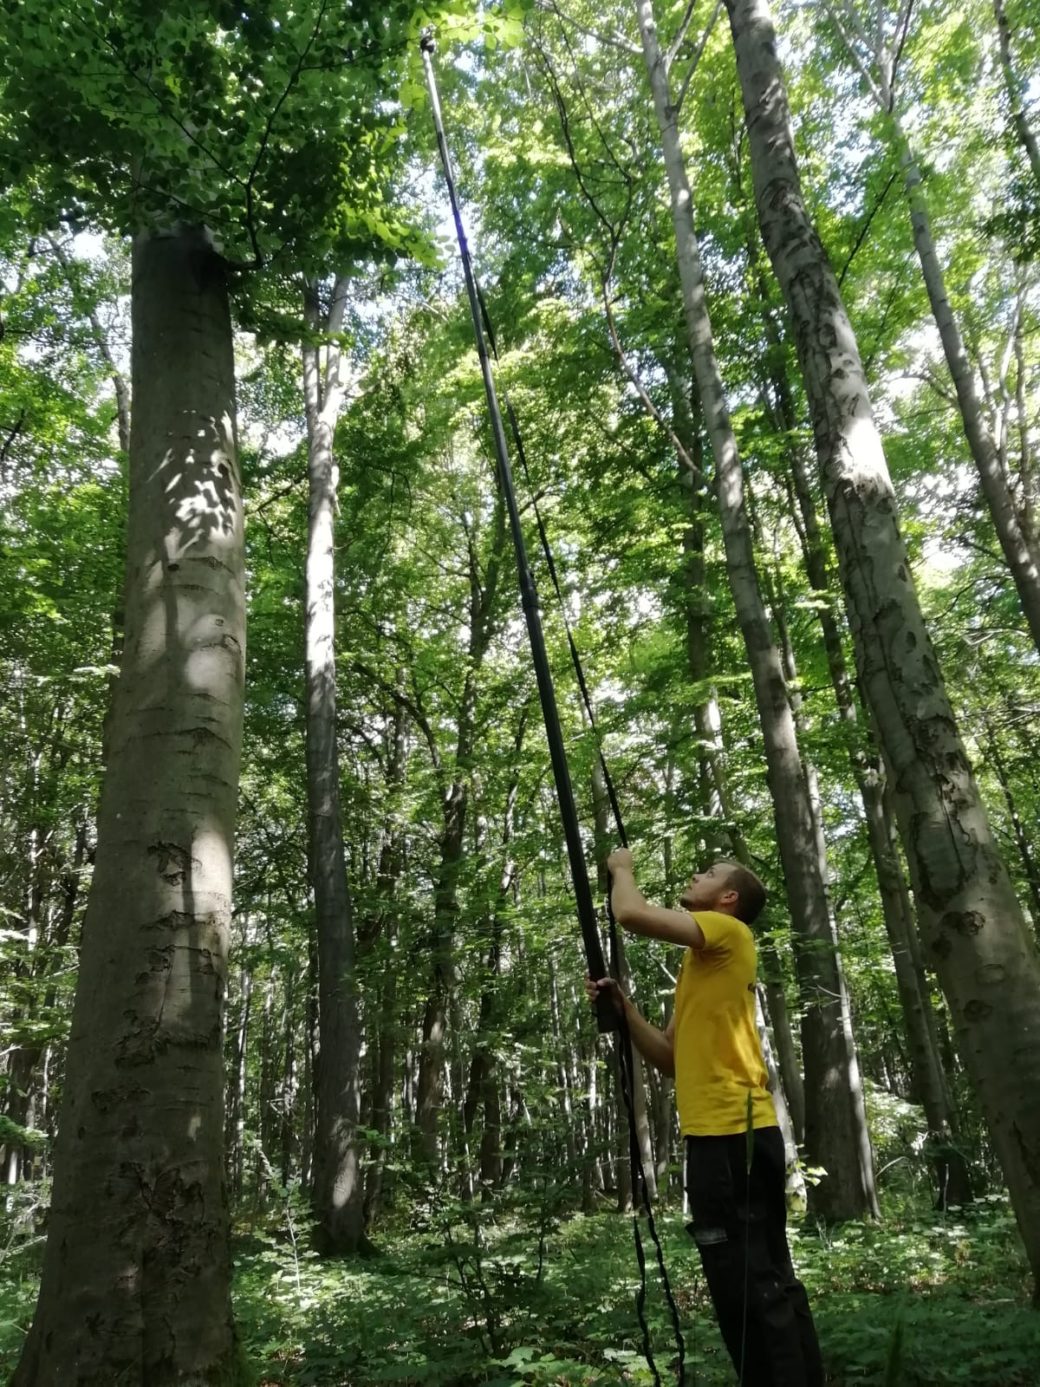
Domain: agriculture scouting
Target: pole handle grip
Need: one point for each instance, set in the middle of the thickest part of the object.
(607, 1018)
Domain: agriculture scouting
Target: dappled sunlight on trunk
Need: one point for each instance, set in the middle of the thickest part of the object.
(139, 1162)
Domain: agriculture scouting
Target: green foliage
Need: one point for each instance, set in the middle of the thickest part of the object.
(301, 137)
(279, 129)
(956, 1287)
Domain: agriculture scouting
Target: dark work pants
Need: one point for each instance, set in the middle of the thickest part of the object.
(740, 1227)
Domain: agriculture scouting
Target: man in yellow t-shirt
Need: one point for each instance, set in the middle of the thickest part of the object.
(725, 1114)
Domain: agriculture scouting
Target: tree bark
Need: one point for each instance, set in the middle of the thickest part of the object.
(832, 1129)
(482, 597)
(1011, 521)
(136, 1275)
(953, 1183)
(972, 923)
(1016, 97)
(338, 1191)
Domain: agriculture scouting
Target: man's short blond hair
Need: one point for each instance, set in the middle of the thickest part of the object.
(751, 894)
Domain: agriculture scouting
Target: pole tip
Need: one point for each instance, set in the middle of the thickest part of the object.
(427, 41)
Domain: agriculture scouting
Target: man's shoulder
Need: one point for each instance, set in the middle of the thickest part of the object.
(718, 927)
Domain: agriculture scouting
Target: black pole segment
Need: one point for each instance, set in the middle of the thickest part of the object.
(606, 1017)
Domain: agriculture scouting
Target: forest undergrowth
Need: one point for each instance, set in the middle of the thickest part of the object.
(465, 1296)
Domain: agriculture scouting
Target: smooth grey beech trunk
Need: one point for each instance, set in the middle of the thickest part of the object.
(1016, 92)
(338, 1190)
(455, 802)
(136, 1275)
(1012, 521)
(383, 1035)
(834, 1134)
(972, 923)
(930, 1089)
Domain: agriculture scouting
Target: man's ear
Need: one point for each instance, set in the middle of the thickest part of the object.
(729, 898)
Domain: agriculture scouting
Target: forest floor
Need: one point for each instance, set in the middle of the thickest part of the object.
(920, 1300)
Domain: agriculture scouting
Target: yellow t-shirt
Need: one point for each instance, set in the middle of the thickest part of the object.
(718, 1059)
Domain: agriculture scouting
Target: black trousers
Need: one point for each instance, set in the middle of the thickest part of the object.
(740, 1228)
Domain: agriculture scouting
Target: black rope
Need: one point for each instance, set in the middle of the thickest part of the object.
(568, 809)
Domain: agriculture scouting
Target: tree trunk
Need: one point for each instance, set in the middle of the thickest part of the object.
(236, 1109)
(483, 591)
(1020, 545)
(430, 1085)
(1014, 88)
(795, 1178)
(338, 1191)
(1011, 522)
(1026, 852)
(773, 584)
(953, 1184)
(136, 1274)
(973, 925)
(832, 1129)
(382, 934)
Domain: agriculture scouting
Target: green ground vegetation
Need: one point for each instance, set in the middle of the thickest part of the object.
(520, 1297)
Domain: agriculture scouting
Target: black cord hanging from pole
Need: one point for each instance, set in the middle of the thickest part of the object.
(607, 1018)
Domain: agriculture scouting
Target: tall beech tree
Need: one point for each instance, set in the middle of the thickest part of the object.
(835, 1127)
(139, 1159)
(876, 58)
(153, 127)
(972, 922)
(338, 1187)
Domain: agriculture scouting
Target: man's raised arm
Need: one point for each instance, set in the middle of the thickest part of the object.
(634, 912)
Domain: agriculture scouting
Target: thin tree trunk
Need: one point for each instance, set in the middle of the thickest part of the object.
(1016, 94)
(795, 1178)
(953, 1183)
(1020, 545)
(391, 865)
(482, 1088)
(565, 1056)
(338, 1191)
(430, 1094)
(777, 602)
(1026, 851)
(973, 925)
(136, 1274)
(236, 1118)
(832, 1128)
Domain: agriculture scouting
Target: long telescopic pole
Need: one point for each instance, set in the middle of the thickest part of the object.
(605, 1014)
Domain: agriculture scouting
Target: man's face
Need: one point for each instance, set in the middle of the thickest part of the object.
(704, 889)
